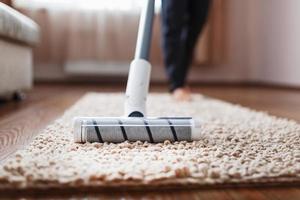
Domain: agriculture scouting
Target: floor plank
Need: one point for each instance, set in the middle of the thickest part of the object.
(19, 122)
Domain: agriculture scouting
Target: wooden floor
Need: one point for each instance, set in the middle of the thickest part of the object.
(19, 122)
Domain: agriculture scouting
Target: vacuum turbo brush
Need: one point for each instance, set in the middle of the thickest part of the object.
(135, 126)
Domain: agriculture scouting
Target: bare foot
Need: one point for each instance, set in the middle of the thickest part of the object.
(182, 94)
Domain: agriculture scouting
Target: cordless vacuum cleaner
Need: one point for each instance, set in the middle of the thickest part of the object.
(135, 126)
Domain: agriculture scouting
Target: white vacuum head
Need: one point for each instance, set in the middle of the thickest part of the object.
(120, 129)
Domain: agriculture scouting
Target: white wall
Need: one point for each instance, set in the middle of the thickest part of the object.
(264, 44)
(279, 42)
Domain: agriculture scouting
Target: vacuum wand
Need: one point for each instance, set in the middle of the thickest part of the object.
(140, 69)
(145, 31)
(135, 125)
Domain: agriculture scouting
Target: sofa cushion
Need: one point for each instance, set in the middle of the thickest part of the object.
(15, 26)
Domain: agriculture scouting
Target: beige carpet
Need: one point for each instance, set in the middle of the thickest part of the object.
(239, 146)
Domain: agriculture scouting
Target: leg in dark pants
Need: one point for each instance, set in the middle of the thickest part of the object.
(182, 21)
(198, 11)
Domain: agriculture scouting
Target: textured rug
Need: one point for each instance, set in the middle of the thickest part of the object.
(239, 146)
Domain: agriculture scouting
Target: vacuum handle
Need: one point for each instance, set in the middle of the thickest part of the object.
(140, 69)
(145, 31)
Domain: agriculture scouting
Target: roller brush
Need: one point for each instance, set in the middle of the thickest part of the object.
(120, 129)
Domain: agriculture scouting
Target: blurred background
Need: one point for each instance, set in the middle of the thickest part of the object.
(248, 42)
(93, 40)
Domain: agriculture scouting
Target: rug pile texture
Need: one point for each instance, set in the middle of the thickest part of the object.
(238, 146)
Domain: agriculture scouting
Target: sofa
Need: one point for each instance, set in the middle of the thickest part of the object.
(18, 34)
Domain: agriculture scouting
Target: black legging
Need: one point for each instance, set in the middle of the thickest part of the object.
(182, 21)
